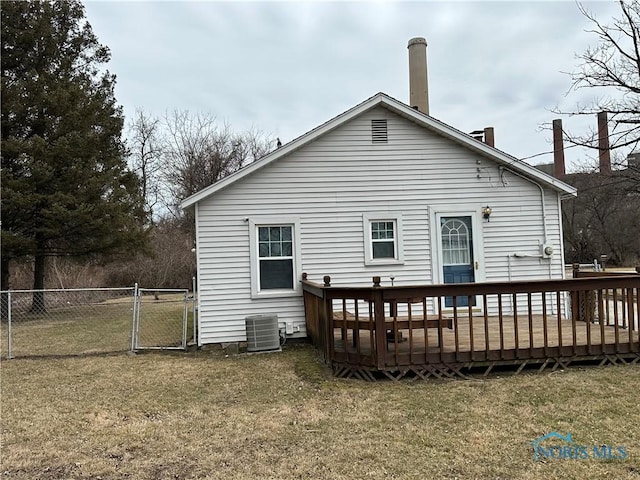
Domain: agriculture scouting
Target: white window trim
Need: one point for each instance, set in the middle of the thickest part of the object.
(256, 222)
(396, 218)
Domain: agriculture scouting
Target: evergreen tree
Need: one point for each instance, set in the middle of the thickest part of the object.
(66, 189)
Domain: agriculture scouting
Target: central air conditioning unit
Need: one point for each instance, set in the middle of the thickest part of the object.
(262, 333)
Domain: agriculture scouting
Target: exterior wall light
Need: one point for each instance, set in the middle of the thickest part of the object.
(486, 213)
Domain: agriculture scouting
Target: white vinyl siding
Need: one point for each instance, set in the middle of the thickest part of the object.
(330, 185)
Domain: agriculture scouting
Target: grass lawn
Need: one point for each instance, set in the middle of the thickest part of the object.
(283, 416)
(82, 327)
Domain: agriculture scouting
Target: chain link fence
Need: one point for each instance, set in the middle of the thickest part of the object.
(160, 319)
(96, 320)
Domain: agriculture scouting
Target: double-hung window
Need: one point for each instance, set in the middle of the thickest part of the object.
(274, 256)
(383, 241)
(383, 238)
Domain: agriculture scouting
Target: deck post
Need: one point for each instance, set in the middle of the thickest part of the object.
(327, 321)
(381, 332)
(575, 269)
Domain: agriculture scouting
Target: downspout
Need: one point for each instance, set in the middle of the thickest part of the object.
(544, 208)
(509, 277)
(544, 214)
(198, 273)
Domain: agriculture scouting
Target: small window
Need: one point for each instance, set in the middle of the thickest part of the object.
(383, 239)
(379, 131)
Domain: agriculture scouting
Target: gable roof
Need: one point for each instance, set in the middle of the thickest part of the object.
(404, 110)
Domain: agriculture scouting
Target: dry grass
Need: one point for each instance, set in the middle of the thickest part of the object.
(82, 327)
(283, 416)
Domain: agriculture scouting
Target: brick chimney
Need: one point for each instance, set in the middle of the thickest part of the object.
(558, 149)
(418, 83)
(485, 136)
(489, 138)
(604, 155)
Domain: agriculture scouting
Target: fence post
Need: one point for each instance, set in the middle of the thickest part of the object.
(185, 315)
(134, 317)
(139, 297)
(9, 341)
(195, 320)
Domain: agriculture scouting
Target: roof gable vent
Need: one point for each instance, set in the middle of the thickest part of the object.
(379, 131)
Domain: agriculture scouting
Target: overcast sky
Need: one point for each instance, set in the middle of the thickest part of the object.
(286, 67)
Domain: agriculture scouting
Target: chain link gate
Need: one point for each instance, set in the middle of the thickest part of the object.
(160, 319)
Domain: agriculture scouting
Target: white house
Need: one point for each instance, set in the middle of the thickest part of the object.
(382, 189)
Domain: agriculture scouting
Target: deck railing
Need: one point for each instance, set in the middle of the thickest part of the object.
(419, 328)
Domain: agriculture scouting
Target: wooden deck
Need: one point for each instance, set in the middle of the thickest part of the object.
(549, 324)
(589, 338)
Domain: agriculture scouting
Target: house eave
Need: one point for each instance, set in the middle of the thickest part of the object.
(426, 121)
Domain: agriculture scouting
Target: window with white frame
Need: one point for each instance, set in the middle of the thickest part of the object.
(383, 243)
(274, 256)
(383, 238)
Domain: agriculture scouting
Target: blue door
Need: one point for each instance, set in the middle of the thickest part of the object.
(457, 254)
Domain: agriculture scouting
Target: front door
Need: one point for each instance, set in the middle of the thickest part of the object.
(456, 235)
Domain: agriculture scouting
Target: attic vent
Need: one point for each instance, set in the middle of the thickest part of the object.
(379, 131)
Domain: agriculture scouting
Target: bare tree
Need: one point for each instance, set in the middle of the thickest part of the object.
(612, 69)
(145, 157)
(170, 264)
(198, 152)
(603, 219)
(182, 153)
(174, 157)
